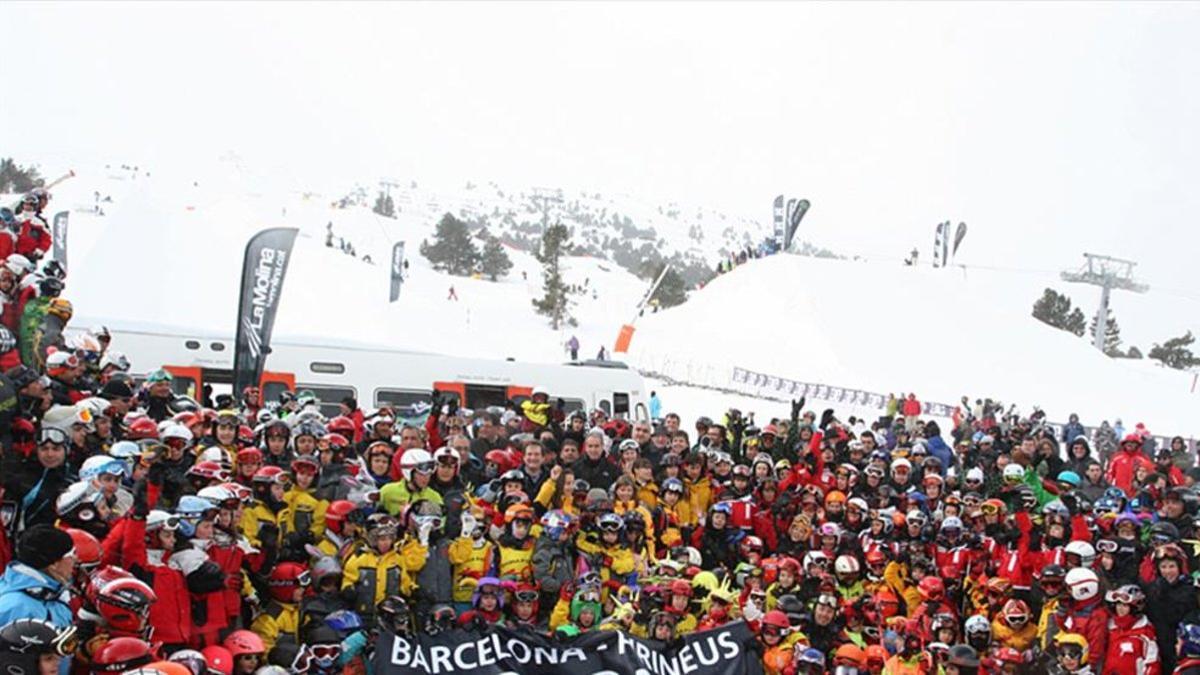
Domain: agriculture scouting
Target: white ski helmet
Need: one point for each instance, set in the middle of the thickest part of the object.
(1014, 472)
(539, 390)
(176, 430)
(413, 459)
(215, 453)
(157, 520)
(18, 264)
(815, 558)
(1082, 583)
(846, 564)
(101, 465)
(76, 496)
(1085, 551)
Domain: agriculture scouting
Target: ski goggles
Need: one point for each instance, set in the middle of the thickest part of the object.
(989, 509)
(53, 435)
(610, 525)
(171, 523)
(325, 651)
(526, 596)
(447, 460)
(827, 600)
(424, 467)
(1074, 652)
(1107, 546)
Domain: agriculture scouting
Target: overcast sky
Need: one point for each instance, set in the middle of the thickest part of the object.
(1051, 128)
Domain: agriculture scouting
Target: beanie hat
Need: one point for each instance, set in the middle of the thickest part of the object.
(116, 389)
(43, 545)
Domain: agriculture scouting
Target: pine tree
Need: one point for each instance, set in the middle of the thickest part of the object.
(555, 303)
(1176, 352)
(384, 206)
(1076, 322)
(1133, 353)
(453, 250)
(672, 291)
(14, 178)
(1112, 336)
(495, 262)
(1052, 309)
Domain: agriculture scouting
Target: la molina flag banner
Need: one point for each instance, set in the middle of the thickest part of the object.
(58, 232)
(727, 650)
(263, 269)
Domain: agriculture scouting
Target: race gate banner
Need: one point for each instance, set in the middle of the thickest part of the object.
(263, 269)
(397, 270)
(58, 232)
(721, 651)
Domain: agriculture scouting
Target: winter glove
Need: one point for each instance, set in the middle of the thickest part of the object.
(826, 418)
(156, 474)
(797, 408)
(141, 508)
(567, 591)
(452, 406)
(268, 534)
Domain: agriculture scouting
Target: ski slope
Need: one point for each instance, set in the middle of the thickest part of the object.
(168, 250)
(887, 328)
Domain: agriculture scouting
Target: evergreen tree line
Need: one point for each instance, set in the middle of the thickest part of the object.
(454, 251)
(1054, 309)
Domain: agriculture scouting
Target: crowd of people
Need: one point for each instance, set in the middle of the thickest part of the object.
(145, 533)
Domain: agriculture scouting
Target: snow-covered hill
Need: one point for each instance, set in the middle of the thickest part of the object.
(872, 327)
(168, 250)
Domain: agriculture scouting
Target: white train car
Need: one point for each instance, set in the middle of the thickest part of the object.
(377, 375)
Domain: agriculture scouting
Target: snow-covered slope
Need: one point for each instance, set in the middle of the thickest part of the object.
(168, 250)
(897, 329)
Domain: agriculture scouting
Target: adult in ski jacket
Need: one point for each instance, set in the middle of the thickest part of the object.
(1125, 463)
(34, 585)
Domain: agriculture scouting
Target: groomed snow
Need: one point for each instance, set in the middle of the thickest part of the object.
(169, 249)
(889, 328)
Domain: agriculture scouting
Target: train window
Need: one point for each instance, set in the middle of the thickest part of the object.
(217, 346)
(640, 412)
(327, 368)
(330, 397)
(400, 398)
(192, 344)
(271, 390)
(620, 403)
(570, 405)
(605, 406)
(183, 386)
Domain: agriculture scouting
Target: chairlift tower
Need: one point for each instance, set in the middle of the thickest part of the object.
(544, 197)
(387, 184)
(1108, 273)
